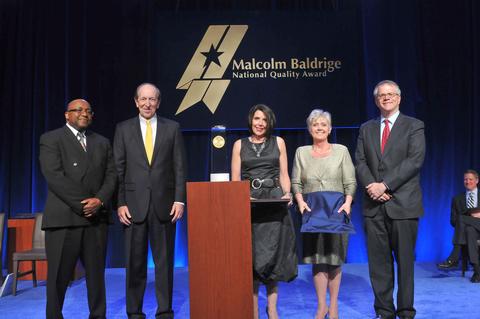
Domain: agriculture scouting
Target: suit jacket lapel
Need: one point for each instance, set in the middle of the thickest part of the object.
(158, 137)
(478, 199)
(137, 135)
(91, 145)
(376, 137)
(72, 139)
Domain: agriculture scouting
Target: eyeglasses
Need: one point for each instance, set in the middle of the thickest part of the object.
(80, 111)
(384, 95)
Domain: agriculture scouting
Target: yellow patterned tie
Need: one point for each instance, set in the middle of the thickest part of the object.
(149, 142)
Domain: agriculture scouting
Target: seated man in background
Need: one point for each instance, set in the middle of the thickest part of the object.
(472, 231)
(460, 204)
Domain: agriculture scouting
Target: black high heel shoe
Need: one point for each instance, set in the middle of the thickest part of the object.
(326, 316)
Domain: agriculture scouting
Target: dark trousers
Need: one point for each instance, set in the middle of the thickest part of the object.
(472, 233)
(384, 236)
(63, 247)
(459, 233)
(472, 236)
(162, 243)
(458, 239)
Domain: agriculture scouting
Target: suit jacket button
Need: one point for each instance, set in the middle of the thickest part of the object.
(75, 164)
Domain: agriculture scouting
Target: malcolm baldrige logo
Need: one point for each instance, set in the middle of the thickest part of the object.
(203, 78)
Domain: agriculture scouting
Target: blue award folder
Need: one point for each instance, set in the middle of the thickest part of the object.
(324, 216)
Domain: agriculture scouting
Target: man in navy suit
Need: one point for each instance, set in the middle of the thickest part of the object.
(459, 208)
(389, 156)
(79, 169)
(471, 220)
(150, 161)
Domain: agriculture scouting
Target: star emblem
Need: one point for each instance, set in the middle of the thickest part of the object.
(212, 56)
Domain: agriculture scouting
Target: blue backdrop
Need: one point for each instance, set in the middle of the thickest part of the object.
(101, 50)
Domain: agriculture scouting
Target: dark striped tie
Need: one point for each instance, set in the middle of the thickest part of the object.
(80, 138)
(470, 200)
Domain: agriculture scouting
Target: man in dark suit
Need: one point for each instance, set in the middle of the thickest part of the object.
(79, 169)
(150, 160)
(459, 208)
(389, 156)
(471, 220)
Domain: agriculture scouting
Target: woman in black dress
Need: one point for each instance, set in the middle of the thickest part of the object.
(262, 159)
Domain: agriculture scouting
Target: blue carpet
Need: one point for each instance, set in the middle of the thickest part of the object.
(438, 294)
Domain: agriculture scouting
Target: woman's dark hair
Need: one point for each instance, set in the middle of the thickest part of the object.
(268, 114)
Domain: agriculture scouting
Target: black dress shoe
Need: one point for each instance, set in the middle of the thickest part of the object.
(448, 264)
(475, 278)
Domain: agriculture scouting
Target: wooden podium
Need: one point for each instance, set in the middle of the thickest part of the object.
(220, 250)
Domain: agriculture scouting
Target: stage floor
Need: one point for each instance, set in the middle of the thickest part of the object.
(438, 294)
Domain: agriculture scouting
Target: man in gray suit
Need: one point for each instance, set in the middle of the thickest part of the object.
(78, 167)
(389, 156)
(150, 161)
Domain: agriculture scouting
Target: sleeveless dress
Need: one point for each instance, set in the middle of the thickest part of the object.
(273, 235)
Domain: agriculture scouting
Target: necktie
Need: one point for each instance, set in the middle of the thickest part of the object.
(385, 134)
(470, 200)
(149, 142)
(80, 138)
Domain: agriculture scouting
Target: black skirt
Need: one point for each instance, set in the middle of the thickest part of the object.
(273, 241)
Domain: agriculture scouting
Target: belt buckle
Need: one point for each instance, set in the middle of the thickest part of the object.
(257, 183)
